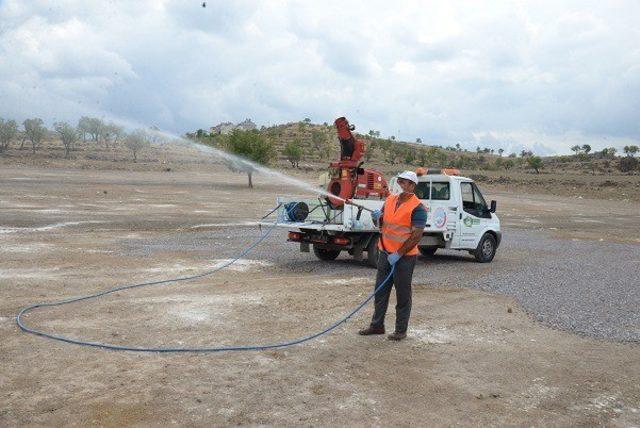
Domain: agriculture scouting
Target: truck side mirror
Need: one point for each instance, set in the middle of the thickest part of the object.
(494, 205)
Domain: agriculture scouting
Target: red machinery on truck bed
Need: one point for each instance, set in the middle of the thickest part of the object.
(347, 179)
(339, 219)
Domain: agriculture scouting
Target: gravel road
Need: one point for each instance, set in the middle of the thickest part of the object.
(586, 287)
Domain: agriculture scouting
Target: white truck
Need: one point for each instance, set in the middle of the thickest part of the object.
(458, 219)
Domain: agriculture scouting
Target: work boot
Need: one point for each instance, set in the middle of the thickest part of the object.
(397, 336)
(371, 330)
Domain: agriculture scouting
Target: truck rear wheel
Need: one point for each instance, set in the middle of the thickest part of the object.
(325, 254)
(486, 249)
(372, 252)
(427, 251)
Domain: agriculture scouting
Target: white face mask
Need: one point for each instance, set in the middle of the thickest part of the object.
(404, 192)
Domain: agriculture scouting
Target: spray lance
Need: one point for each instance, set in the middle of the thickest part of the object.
(360, 207)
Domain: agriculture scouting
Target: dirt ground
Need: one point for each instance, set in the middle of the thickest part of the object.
(472, 358)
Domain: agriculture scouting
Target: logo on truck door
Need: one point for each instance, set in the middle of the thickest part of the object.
(439, 217)
(469, 221)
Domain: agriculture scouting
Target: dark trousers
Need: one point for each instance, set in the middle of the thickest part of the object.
(402, 280)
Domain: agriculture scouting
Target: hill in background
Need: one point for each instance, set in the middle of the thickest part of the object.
(305, 149)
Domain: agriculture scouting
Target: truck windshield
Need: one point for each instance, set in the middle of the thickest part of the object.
(439, 190)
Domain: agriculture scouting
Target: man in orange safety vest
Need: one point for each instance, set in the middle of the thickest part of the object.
(401, 221)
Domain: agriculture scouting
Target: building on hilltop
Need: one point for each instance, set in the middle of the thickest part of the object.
(228, 127)
(247, 125)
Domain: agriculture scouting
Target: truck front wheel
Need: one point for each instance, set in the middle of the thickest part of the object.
(486, 249)
(325, 254)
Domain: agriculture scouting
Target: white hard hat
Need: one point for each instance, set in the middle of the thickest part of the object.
(409, 175)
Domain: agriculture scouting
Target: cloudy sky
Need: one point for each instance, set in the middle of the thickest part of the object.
(539, 75)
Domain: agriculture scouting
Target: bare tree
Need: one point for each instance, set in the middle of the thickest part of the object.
(91, 126)
(23, 138)
(84, 126)
(8, 131)
(95, 128)
(68, 135)
(136, 141)
(116, 133)
(34, 131)
(109, 134)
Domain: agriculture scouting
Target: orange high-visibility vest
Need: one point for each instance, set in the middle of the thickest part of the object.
(396, 224)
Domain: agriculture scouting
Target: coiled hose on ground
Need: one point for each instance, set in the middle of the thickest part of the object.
(113, 347)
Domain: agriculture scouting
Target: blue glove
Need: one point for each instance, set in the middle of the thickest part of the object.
(393, 258)
(375, 216)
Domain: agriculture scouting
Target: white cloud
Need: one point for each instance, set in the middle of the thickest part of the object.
(525, 74)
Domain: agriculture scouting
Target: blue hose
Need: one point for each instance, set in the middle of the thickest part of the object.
(65, 339)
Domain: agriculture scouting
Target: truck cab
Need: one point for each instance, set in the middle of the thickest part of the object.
(458, 216)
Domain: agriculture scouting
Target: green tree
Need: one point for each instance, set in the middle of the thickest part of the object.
(500, 152)
(535, 162)
(293, 152)
(8, 131)
(423, 156)
(317, 139)
(370, 150)
(251, 150)
(327, 150)
(35, 132)
(116, 133)
(627, 164)
(508, 164)
(136, 141)
(409, 156)
(586, 148)
(392, 154)
(630, 150)
(576, 149)
(68, 135)
(385, 145)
